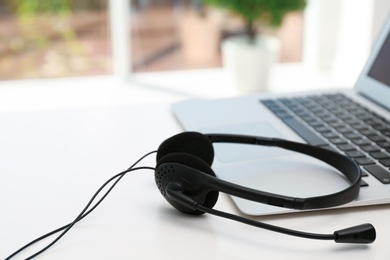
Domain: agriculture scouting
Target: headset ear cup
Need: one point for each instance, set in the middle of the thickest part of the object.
(192, 162)
(193, 143)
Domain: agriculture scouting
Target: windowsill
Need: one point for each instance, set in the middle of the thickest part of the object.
(211, 83)
(147, 88)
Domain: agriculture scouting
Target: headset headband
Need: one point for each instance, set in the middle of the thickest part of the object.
(201, 183)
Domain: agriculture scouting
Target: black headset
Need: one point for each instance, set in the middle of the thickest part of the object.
(184, 177)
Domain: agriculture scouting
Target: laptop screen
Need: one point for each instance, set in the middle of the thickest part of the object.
(380, 69)
(374, 81)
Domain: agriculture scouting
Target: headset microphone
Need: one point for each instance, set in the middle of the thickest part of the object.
(361, 234)
(184, 177)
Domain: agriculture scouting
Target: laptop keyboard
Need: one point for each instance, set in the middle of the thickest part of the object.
(336, 122)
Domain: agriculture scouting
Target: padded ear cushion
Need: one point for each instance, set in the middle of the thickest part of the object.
(193, 143)
(195, 163)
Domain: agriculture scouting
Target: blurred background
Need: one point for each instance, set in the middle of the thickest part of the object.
(68, 38)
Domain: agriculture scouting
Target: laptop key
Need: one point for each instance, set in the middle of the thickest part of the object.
(338, 141)
(367, 132)
(361, 142)
(379, 126)
(379, 173)
(370, 148)
(344, 130)
(330, 135)
(304, 132)
(346, 147)
(384, 144)
(377, 138)
(353, 136)
(386, 132)
(355, 154)
(364, 161)
(385, 162)
(380, 155)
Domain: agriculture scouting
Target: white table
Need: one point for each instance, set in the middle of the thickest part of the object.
(53, 159)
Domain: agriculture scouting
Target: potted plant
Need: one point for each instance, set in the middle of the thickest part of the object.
(249, 57)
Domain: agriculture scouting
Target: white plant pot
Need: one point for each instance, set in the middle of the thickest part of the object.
(249, 65)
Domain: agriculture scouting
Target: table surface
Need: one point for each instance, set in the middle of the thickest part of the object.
(52, 161)
(54, 157)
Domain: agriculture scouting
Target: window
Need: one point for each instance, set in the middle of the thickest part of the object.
(56, 38)
(66, 38)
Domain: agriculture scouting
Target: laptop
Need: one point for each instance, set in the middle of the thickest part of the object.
(355, 122)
